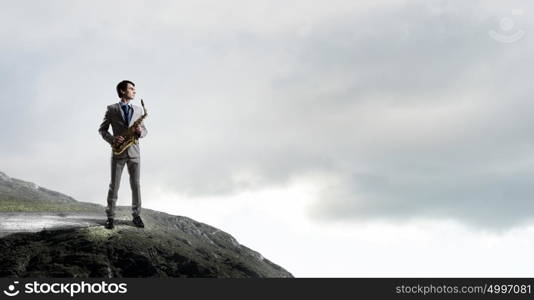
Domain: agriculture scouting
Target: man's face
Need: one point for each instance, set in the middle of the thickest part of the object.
(130, 92)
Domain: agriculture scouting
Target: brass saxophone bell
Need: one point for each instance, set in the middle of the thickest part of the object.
(121, 147)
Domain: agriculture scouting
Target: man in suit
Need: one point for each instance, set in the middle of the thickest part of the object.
(121, 116)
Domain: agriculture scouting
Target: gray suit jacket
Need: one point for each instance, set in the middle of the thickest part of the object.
(115, 117)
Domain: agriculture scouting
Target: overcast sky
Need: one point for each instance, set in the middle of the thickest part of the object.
(337, 138)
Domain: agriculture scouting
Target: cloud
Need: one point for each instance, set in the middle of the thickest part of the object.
(410, 107)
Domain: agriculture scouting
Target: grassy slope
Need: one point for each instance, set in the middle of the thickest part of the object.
(11, 204)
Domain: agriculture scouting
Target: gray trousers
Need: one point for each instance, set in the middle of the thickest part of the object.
(117, 165)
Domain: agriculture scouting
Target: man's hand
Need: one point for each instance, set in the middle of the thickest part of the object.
(119, 139)
(138, 129)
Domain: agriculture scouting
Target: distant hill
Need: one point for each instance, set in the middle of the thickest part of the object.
(169, 245)
(19, 195)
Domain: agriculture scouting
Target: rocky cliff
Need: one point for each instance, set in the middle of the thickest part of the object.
(74, 242)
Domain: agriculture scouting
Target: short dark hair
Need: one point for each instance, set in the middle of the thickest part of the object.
(121, 87)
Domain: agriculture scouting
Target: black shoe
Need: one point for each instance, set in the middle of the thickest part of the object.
(138, 222)
(109, 223)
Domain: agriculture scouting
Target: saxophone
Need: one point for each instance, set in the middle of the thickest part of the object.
(130, 137)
